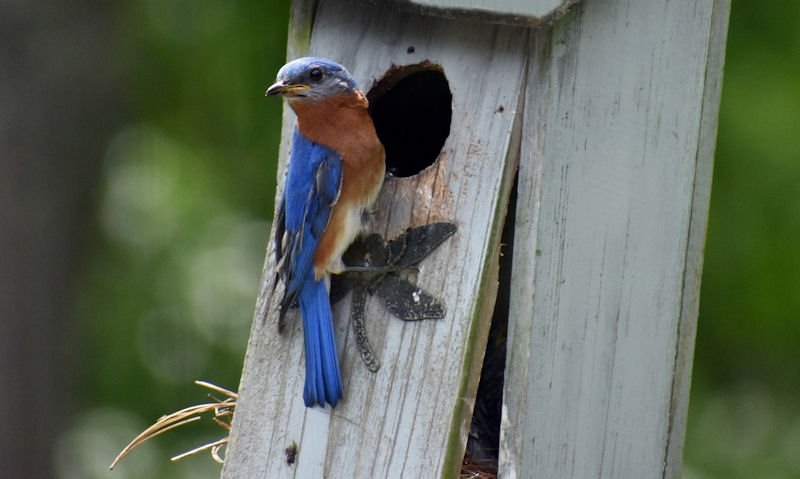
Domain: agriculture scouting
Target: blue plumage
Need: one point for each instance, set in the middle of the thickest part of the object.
(302, 66)
(313, 78)
(313, 183)
(335, 173)
(323, 380)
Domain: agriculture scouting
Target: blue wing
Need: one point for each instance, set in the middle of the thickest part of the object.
(313, 183)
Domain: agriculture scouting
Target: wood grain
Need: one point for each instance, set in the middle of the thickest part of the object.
(617, 148)
(410, 419)
(530, 8)
(529, 13)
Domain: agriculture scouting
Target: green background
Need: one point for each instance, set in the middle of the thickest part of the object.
(175, 242)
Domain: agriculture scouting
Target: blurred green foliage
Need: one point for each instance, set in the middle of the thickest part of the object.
(182, 224)
(187, 194)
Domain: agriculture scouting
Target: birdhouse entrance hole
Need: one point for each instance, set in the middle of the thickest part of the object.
(411, 108)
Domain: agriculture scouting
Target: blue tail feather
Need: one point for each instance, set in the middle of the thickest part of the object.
(323, 381)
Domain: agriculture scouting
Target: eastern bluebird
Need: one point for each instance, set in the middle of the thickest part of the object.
(336, 170)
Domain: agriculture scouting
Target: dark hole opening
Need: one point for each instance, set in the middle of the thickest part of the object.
(411, 109)
(484, 433)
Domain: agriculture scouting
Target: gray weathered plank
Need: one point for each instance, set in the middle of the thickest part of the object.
(410, 419)
(616, 156)
(518, 12)
(535, 8)
(687, 326)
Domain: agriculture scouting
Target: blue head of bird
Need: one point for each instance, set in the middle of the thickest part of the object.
(311, 79)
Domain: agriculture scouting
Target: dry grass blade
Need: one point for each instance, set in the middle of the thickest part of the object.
(473, 469)
(215, 452)
(211, 445)
(221, 408)
(214, 387)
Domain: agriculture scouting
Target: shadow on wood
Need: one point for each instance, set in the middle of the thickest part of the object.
(611, 115)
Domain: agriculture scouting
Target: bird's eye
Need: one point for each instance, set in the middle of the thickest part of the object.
(315, 74)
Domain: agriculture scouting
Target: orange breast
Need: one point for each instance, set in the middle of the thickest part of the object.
(343, 124)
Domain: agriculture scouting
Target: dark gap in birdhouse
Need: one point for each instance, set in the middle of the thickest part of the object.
(484, 432)
(411, 107)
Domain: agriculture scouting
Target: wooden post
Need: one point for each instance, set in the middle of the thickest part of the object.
(611, 115)
(410, 418)
(618, 141)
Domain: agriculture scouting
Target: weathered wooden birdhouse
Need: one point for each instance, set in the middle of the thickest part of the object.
(603, 113)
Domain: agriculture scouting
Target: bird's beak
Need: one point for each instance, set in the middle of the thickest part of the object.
(286, 89)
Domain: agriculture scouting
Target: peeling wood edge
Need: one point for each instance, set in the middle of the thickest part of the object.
(477, 14)
(484, 305)
(529, 191)
(698, 223)
(301, 23)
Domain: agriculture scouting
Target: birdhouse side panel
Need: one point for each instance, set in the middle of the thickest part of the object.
(412, 416)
